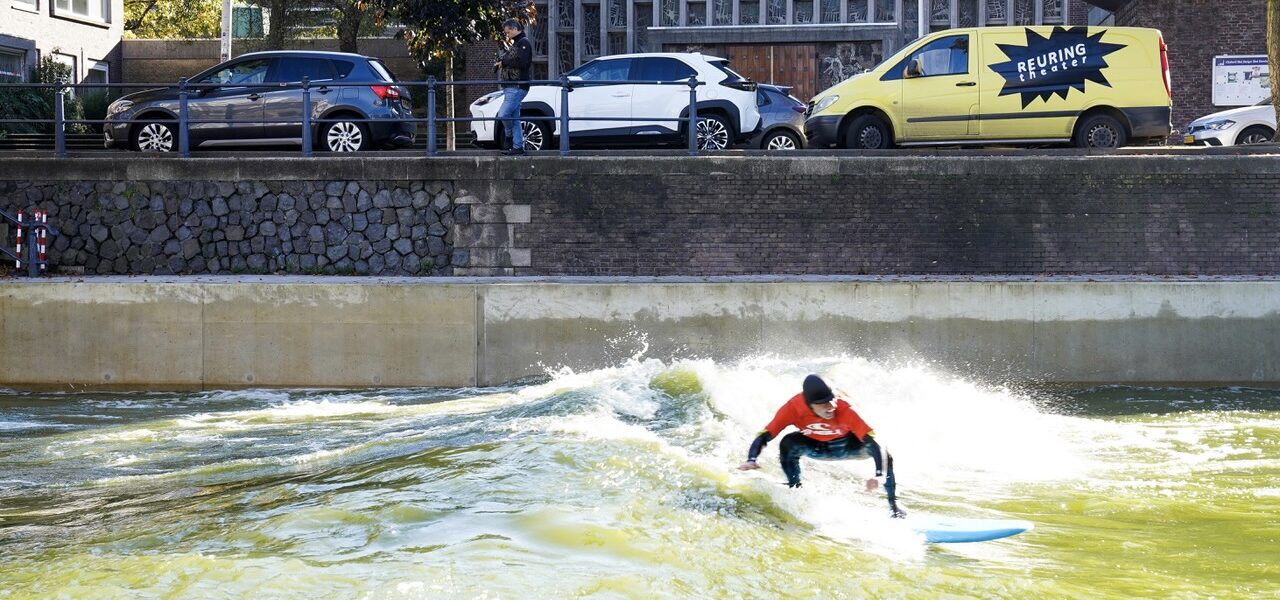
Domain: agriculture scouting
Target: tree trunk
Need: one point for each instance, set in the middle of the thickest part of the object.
(349, 27)
(1273, 53)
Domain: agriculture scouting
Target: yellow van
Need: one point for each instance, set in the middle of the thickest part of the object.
(1099, 87)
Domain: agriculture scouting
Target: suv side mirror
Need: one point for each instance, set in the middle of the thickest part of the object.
(914, 69)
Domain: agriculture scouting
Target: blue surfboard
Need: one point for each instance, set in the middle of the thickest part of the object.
(955, 530)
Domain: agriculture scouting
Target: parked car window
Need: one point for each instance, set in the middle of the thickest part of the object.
(382, 70)
(604, 70)
(248, 72)
(660, 69)
(294, 69)
(762, 97)
(342, 68)
(724, 67)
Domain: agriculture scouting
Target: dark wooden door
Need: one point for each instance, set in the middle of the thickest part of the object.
(794, 65)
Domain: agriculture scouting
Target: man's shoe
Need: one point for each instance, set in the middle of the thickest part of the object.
(513, 152)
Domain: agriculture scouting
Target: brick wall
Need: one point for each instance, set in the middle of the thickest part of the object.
(1196, 31)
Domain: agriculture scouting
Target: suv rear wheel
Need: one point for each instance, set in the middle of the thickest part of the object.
(344, 136)
(714, 132)
(154, 136)
(535, 135)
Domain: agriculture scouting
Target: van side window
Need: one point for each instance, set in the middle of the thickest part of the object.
(943, 56)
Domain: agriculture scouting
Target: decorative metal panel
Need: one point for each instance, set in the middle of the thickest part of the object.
(696, 14)
(644, 20)
(842, 61)
(591, 30)
(565, 50)
(968, 13)
(777, 12)
(886, 11)
(670, 13)
(858, 11)
(565, 10)
(537, 33)
(749, 13)
(618, 14)
(1024, 12)
(940, 12)
(997, 12)
(722, 11)
(803, 11)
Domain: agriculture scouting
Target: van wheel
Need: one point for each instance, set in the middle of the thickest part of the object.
(868, 132)
(1255, 135)
(1101, 131)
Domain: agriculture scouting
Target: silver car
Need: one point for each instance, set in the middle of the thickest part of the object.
(1239, 126)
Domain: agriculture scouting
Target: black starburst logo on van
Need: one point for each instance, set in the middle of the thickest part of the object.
(1054, 65)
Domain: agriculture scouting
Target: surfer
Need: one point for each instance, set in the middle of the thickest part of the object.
(829, 430)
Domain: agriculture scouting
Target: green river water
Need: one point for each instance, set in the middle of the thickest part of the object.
(620, 483)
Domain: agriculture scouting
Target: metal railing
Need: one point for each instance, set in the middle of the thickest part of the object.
(35, 233)
(183, 121)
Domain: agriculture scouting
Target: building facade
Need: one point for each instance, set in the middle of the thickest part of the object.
(82, 34)
(808, 44)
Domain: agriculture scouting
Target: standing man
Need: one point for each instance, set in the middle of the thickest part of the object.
(829, 430)
(515, 65)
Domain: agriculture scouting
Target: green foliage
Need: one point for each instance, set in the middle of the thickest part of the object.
(438, 28)
(172, 19)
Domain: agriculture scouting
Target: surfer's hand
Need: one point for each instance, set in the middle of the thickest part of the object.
(873, 484)
(749, 465)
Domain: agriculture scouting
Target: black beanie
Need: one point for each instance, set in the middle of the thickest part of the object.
(816, 390)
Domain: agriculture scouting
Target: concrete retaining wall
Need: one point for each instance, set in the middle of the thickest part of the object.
(220, 332)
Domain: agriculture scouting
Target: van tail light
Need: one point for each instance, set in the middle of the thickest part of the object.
(745, 85)
(1164, 65)
(386, 91)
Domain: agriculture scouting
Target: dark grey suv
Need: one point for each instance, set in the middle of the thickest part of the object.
(251, 89)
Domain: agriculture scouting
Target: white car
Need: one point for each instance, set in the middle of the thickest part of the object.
(1249, 125)
(727, 111)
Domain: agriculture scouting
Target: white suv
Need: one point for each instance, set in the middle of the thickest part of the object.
(1239, 126)
(727, 110)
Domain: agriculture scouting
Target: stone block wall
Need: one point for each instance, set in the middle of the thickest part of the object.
(944, 212)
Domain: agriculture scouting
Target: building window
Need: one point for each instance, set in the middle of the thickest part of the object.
(13, 65)
(28, 4)
(723, 12)
(777, 12)
(968, 16)
(749, 13)
(696, 14)
(670, 13)
(831, 11)
(1024, 12)
(803, 11)
(590, 30)
(565, 10)
(564, 45)
(997, 12)
(537, 33)
(1054, 12)
(911, 19)
(98, 10)
(99, 73)
(886, 11)
(644, 20)
(617, 14)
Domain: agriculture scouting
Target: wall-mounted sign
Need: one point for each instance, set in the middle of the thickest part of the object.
(1240, 80)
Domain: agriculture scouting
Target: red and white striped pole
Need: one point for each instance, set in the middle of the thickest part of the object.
(17, 264)
(42, 237)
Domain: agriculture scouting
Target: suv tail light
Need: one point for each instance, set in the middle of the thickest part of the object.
(1164, 65)
(386, 91)
(745, 85)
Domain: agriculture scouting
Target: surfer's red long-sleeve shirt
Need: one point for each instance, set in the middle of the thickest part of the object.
(796, 412)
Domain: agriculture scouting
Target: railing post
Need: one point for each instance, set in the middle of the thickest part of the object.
(564, 115)
(431, 116)
(33, 269)
(59, 121)
(693, 116)
(184, 136)
(306, 116)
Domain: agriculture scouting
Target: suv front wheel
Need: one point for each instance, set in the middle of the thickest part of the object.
(344, 136)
